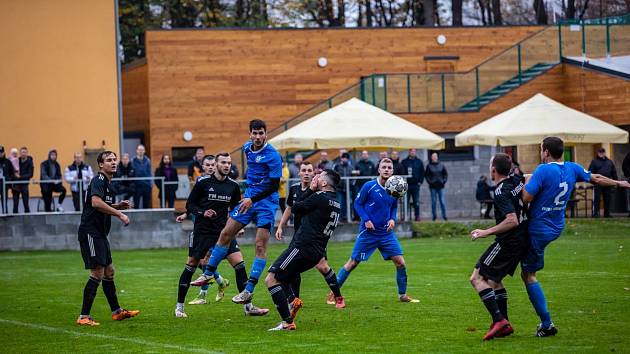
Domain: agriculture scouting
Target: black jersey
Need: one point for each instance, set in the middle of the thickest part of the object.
(210, 193)
(320, 214)
(94, 222)
(295, 193)
(507, 200)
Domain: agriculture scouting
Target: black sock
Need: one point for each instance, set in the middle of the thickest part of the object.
(288, 292)
(487, 296)
(184, 283)
(280, 300)
(295, 285)
(331, 279)
(89, 293)
(241, 276)
(109, 288)
(501, 297)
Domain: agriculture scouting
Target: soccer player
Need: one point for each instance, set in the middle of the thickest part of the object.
(377, 210)
(547, 190)
(264, 170)
(502, 256)
(96, 221)
(292, 290)
(320, 213)
(210, 201)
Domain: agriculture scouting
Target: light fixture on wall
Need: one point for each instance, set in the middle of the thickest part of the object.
(322, 62)
(441, 39)
(188, 135)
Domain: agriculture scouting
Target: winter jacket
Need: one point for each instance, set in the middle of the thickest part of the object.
(6, 169)
(365, 168)
(343, 171)
(483, 190)
(399, 170)
(142, 168)
(26, 173)
(604, 167)
(414, 167)
(194, 170)
(73, 173)
(625, 166)
(170, 175)
(436, 175)
(49, 170)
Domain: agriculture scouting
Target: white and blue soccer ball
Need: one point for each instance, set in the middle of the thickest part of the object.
(396, 186)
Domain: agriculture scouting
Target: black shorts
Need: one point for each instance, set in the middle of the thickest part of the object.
(501, 259)
(199, 245)
(291, 263)
(94, 250)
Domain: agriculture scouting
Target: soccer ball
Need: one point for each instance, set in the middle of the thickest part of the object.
(396, 186)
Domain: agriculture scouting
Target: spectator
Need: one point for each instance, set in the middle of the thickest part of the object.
(337, 160)
(398, 167)
(344, 169)
(25, 168)
(7, 173)
(50, 170)
(14, 158)
(516, 169)
(78, 171)
(414, 167)
(625, 167)
(382, 155)
(294, 168)
(124, 171)
(284, 186)
(604, 166)
(324, 163)
(436, 176)
(364, 168)
(166, 170)
(233, 172)
(483, 195)
(194, 167)
(142, 188)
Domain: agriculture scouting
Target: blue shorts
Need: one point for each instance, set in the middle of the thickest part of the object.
(366, 244)
(263, 213)
(534, 259)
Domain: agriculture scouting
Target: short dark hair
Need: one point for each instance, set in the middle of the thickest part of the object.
(101, 157)
(554, 145)
(307, 163)
(345, 155)
(207, 157)
(333, 177)
(23, 148)
(256, 124)
(502, 163)
(222, 154)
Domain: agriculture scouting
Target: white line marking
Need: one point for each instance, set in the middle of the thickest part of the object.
(103, 336)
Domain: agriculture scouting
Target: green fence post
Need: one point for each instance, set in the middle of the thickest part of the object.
(385, 91)
(477, 86)
(607, 38)
(373, 92)
(583, 38)
(518, 49)
(560, 40)
(408, 95)
(330, 103)
(362, 89)
(443, 94)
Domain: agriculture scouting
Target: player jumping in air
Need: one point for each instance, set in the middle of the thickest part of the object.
(320, 211)
(377, 210)
(548, 190)
(96, 221)
(264, 170)
(504, 254)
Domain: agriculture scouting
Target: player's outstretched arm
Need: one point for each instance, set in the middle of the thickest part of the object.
(122, 205)
(100, 205)
(607, 182)
(510, 222)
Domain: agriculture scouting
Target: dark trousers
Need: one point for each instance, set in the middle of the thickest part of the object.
(76, 200)
(414, 198)
(2, 194)
(47, 195)
(142, 193)
(169, 198)
(23, 190)
(488, 210)
(606, 193)
(283, 204)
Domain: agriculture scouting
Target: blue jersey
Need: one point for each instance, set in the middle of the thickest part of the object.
(374, 204)
(551, 186)
(262, 165)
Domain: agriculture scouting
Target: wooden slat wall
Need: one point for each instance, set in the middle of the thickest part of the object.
(213, 82)
(135, 87)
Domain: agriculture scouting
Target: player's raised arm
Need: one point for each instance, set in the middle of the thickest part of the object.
(607, 182)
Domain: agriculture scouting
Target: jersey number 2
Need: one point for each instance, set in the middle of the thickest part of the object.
(565, 189)
(332, 224)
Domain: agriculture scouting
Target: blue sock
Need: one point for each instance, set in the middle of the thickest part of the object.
(401, 280)
(342, 276)
(205, 287)
(218, 253)
(257, 268)
(538, 300)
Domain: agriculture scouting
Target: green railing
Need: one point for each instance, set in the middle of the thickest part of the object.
(595, 38)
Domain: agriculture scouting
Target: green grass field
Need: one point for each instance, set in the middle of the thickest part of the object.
(586, 279)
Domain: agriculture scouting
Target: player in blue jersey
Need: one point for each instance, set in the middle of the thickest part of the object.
(377, 210)
(548, 190)
(264, 170)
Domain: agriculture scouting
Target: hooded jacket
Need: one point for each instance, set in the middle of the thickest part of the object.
(50, 170)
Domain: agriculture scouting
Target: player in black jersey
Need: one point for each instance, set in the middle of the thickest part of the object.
(502, 257)
(96, 221)
(293, 290)
(320, 212)
(210, 200)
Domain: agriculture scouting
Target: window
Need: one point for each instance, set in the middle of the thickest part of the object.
(569, 154)
(183, 155)
(454, 153)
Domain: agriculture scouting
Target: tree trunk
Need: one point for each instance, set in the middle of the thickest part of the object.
(482, 9)
(428, 11)
(457, 12)
(368, 13)
(570, 14)
(341, 13)
(496, 12)
(541, 12)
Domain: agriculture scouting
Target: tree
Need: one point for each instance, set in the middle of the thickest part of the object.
(496, 12)
(429, 12)
(541, 12)
(456, 7)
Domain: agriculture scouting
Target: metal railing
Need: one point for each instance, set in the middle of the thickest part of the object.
(595, 38)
